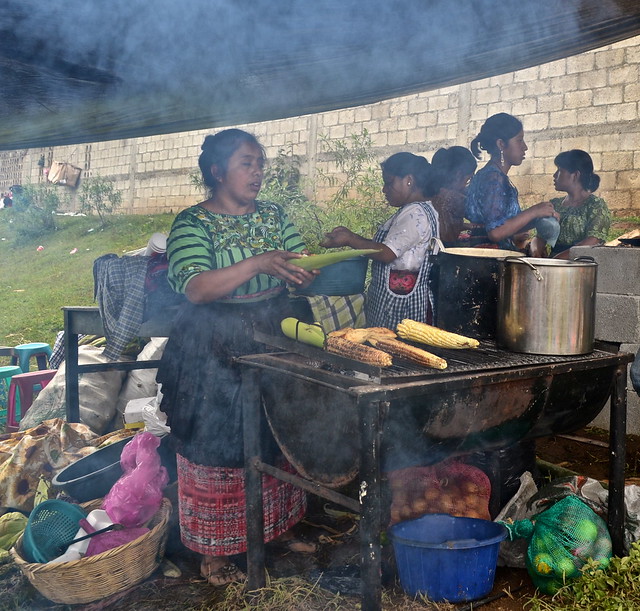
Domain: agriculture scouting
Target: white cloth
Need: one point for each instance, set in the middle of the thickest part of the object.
(408, 237)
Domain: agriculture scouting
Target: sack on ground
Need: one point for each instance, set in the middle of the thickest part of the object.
(562, 539)
(141, 383)
(450, 487)
(98, 393)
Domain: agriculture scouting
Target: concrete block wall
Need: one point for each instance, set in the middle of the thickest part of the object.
(588, 101)
(617, 312)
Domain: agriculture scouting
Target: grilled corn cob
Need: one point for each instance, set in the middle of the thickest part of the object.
(358, 352)
(358, 336)
(409, 353)
(426, 334)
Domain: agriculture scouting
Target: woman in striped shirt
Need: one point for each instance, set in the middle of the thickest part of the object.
(230, 255)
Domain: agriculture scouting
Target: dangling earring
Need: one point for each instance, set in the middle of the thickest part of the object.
(501, 157)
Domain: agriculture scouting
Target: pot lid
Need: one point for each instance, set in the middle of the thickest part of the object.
(492, 253)
(535, 262)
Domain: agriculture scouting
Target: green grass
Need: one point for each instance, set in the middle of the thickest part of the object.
(35, 285)
(623, 224)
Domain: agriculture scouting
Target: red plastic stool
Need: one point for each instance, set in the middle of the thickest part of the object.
(25, 383)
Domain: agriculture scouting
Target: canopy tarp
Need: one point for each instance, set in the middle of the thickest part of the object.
(79, 71)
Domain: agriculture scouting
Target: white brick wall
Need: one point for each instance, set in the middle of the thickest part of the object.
(589, 101)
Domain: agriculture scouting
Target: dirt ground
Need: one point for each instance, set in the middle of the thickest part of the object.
(339, 548)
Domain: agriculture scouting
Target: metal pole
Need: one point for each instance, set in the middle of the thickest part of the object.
(250, 400)
(72, 395)
(617, 456)
(370, 503)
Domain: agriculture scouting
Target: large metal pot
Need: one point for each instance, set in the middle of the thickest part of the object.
(547, 306)
(465, 285)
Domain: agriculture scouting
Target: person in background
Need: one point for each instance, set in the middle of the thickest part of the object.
(584, 217)
(492, 199)
(400, 270)
(230, 255)
(7, 201)
(453, 168)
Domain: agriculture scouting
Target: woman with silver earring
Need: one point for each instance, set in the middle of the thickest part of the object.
(492, 200)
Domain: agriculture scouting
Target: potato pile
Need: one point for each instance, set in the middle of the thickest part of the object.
(450, 487)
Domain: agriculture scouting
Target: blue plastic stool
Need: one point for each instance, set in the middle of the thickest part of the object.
(6, 373)
(24, 353)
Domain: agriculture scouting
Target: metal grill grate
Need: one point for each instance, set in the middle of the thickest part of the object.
(487, 357)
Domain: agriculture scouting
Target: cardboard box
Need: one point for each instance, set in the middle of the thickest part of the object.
(62, 173)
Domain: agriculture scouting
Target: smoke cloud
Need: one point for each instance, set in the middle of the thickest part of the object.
(137, 67)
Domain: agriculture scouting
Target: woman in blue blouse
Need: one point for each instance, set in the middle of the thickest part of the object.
(492, 199)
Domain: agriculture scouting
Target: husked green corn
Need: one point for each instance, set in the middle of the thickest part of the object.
(427, 334)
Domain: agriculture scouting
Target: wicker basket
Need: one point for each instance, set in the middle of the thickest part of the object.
(99, 576)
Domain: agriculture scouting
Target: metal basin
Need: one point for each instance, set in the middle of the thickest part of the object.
(316, 421)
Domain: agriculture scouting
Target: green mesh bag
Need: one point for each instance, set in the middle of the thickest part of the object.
(561, 540)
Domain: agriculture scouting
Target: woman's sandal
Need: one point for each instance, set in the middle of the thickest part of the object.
(299, 545)
(222, 576)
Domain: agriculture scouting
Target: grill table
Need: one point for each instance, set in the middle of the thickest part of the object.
(550, 393)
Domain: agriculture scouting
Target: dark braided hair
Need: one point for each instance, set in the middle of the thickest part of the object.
(403, 164)
(218, 149)
(497, 127)
(450, 164)
(579, 161)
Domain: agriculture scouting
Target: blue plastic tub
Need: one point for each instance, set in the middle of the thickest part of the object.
(447, 558)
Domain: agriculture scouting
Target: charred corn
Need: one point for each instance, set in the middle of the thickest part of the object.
(359, 336)
(358, 352)
(409, 353)
(426, 334)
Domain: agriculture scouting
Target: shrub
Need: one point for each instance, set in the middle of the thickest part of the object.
(357, 201)
(99, 195)
(34, 208)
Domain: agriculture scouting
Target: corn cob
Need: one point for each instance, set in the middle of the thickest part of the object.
(381, 333)
(359, 336)
(426, 334)
(319, 261)
(358, 352)
(409, 353)
(307, 333)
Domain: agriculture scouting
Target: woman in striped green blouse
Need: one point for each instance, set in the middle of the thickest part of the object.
(230, 255)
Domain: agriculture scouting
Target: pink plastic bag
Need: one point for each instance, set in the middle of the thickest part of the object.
(109, 540)
(137, 495)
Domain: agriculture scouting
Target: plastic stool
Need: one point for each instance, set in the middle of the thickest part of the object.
(25, 383)
(6, 374)
(7, 351)
(24, 352)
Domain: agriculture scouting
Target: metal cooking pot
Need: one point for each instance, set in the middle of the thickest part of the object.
(465, 285)
(547, 306)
